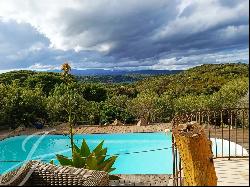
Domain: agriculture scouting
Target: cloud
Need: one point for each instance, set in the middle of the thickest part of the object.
(39, 66)
(194, 60)
(125, 33)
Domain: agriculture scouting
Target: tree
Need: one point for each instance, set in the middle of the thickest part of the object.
(47, 81)
(58, 105)
(230, 93)
(191, 103)
(21, 106)
(164, 108)
(94, 92)
(144, 105)
(116, 108)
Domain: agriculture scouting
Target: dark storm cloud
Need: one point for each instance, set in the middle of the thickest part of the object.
(111, 33)
(137, 35)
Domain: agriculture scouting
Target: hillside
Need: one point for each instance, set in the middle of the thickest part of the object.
(95, 76)
(156, 98)
(205, 79)
(115, 72)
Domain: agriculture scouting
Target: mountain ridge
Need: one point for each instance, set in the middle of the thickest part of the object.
(96, 72)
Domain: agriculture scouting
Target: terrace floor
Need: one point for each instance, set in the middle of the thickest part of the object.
(234, 172)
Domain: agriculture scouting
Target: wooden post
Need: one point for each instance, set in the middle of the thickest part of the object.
(196, 154)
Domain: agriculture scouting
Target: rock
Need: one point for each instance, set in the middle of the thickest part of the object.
(142, 122)
(194, 135)
(182, 127)
(19, 129)
(192, 122)
(186, 127)
(167, 130)
(117, 122)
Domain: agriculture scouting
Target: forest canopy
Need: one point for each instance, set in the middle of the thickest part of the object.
(28, 95)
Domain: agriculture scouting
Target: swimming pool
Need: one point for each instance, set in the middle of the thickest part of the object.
(140, 153)
(38, 147)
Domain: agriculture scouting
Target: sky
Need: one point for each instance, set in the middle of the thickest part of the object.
(122, 34)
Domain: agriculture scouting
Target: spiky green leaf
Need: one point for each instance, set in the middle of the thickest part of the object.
(101, 155)
(85, 151)
(78, 161)
(64, 161)
(91, 162)
(111, 169)
(98, 148)
(114, 177)
(107, 164)
(77, 149)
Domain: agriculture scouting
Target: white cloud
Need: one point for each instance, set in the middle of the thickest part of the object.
(75, 24)
(92, 25)
(204, 15)
(124, 33)
(194, 60)
(39, 66)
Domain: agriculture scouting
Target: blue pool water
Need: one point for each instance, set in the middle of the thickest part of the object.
(22, 148)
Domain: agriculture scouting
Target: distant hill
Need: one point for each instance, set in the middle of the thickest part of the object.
(88, 75)
(99, 72)
(192, 79)
(204, 79)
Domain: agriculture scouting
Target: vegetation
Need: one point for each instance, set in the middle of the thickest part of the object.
(111, 78)
(84, 158)
(27, 95)
(19, 106)
(81, 157)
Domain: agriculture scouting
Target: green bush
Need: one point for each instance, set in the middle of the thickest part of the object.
(21, 106)
(191, 103)
(35, 95)
(62, 99)
(116, 108)
(93, 92)
(164, 109)
(230, 94)
(144, 105)
(47, 81)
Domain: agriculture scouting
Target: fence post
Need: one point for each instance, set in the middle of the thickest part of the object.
(196, 154)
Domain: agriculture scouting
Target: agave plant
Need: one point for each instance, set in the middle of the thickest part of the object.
(93, 160)
(83, 157)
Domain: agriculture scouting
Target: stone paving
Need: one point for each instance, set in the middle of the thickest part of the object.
(234, 172)
(87, 129)
(83, 129)
(141, 180)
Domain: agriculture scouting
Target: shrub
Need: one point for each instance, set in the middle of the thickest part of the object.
(230, 93)
(144, 105)
(61, 100)
(20, 105)
(93, 92)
